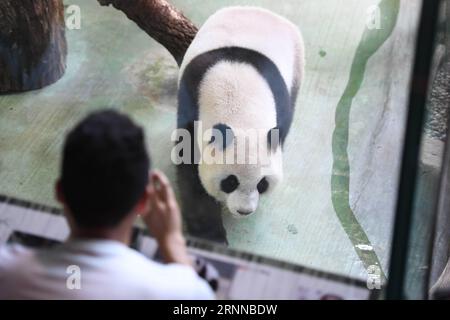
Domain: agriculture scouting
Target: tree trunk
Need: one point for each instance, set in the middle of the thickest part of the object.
(33, 46)
(161, 21)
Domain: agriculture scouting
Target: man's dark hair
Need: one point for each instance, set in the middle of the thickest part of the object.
(104, 169)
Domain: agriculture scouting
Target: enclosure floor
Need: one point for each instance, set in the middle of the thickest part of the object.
(112, 63)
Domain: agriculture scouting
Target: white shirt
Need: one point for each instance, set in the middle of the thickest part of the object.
(107, 270)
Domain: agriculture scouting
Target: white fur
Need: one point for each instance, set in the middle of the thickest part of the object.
(235, 94)
(253, 28)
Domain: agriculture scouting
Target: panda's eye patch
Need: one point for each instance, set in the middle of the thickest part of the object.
(229, 184)
(225, 133)
(263, 185)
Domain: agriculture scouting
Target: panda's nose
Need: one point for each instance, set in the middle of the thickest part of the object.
(244, 212)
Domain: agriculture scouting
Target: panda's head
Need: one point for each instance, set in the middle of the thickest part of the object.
(238, 179)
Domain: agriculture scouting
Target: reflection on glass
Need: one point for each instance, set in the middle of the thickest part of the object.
(334, 209)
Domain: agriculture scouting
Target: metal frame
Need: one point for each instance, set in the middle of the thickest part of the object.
(411, 148)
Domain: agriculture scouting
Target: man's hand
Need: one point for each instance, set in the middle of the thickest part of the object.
(164, 220)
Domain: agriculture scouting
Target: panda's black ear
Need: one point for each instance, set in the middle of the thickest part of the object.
(273, 139)
(222, 136)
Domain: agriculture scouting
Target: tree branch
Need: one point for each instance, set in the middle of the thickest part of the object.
(161, 21)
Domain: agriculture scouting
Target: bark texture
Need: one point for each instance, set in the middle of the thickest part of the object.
(33, 47)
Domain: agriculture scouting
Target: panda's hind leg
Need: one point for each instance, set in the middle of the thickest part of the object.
(202, 214)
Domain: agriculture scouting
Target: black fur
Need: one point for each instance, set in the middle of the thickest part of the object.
(194, 72)
(226, 134)
(273, 139)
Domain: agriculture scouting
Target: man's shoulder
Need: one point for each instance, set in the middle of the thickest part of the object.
(182, 282)
(140, 263)
(14, 261)
(169, 281)
(136, 275)
(13, 255)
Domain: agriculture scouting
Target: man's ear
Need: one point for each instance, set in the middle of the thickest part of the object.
(59, 194)
(142, 207)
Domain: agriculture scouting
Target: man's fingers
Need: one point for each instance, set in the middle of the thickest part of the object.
(151, 193)
(162, 185)
(156, 174)
(152, 197)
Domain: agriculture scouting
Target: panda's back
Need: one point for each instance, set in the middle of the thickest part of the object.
(255, 29)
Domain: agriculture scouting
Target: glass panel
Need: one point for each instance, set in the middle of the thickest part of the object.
(432, 186)
(334, 209)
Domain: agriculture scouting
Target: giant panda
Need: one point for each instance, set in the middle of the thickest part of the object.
(242, 71)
